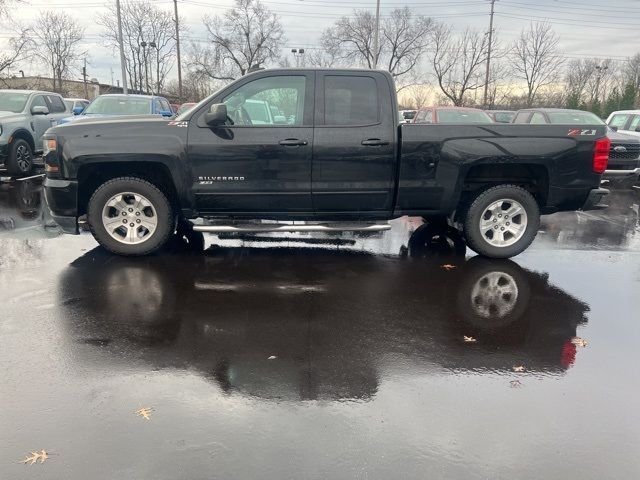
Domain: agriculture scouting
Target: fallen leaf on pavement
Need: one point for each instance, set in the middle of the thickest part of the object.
(515, 383)
(145, 412)
(42, 455)
(272, 357)
(580, 342)
(469, 339)
(518, 368)
(448, 266)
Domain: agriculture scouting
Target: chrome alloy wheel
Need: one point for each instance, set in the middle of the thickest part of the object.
(129, 218)
(503, 223)
(23, 158)
(494, 295)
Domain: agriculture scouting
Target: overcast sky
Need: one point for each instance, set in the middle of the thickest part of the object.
(588, 28)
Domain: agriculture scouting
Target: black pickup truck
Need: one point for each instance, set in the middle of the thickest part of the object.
(320, 146)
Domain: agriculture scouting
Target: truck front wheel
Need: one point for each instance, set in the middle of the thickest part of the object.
(20, 161)
(502, 221)
(130, 216)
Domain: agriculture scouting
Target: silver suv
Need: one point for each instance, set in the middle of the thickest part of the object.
(24, 117)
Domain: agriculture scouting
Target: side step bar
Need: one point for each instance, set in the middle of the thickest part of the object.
(378, 227)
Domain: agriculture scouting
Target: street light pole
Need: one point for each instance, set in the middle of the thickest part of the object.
(486, 77)
(143, 44)
(122, 60)
(175, 7)
(376, 36)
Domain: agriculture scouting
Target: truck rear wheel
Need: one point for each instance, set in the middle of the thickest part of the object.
(130, 216)
(20, 160)
(502, 221)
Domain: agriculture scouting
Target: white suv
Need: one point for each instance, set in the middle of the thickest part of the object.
(625, 121)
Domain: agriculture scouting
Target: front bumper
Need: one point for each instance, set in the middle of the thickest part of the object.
(4, 152)
(62, 199)
(593, 199)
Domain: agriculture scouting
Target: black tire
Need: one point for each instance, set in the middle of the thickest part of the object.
(475, 238)
(20, 159)
(436, 240)
(159, 201)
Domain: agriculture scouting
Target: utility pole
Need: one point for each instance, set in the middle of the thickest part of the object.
(486, 77)
(175, 7)
(376, 36)
(122, 61)
(84, 78)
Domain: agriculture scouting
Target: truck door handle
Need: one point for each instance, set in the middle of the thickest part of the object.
(292, 142)
(374, 142)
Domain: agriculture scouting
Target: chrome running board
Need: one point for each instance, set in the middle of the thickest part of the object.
(276, 227)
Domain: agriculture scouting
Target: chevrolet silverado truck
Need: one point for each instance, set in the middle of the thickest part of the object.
(334, 157)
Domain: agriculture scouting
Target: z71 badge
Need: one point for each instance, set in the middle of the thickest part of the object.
(577, 132)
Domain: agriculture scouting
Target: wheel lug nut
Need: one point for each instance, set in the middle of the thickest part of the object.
(496, 227)
(124, 213)
(495, 219)
(138, 220)
(501, 228)
(137, 214)
(124, 221)
(133, 225)
(131, 209)
(499, 215)
(508, 223)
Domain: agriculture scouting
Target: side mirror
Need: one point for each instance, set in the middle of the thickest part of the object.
(638, 129)
(615, 129)
(78, 110)
(217, 115)
(39, 110)
(166, 113)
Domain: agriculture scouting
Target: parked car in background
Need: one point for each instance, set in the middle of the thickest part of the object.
(175, 107)
(24, 117)
(113, 105)
(186, 106)
(501, 116)
(76, 105)
(451, 115)
(624, 155)
(625, 121)
(406, 116)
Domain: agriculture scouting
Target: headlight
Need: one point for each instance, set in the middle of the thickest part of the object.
(49, 145)
(50, 154)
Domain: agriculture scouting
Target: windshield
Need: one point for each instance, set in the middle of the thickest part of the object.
(185, 107)
(571, 118)
(13, 102)
(119, 106)
(69, 104)
(463, 116)
(504, 117)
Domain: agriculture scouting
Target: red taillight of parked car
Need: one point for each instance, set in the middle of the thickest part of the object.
(601, 155)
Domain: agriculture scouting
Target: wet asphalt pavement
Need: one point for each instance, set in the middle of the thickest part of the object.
(341, 357)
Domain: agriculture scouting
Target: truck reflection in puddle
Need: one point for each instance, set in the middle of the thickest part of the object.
(337, 322)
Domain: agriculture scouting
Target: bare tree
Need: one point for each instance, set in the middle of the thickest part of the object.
(404, 38)
(56, 41)
(148, 35)
(417, 95)
(536, 58)
(457, 62)
(16, 51)
(249, 35)
(195, 86)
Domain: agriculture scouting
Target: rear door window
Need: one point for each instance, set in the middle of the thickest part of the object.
(619, 120)
(635, 123)
(56, 105)
(521, 117)
(538, 119)
(350, 100)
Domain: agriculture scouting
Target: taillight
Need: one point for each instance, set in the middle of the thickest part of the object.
(601, 155)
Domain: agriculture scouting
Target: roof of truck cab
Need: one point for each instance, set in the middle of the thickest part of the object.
(28, 92)
(636, 112)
